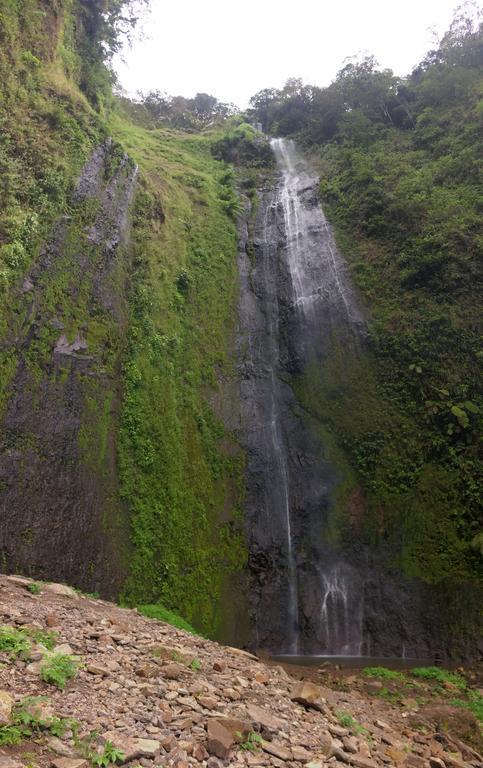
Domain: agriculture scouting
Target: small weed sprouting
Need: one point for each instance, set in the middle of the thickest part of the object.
(98, 759)
(108, 756)
(195, 665)
(58, 670)
(34, 588)
(347, 721)
(251, 742)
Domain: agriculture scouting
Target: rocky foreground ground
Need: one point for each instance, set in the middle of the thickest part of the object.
(147, 694)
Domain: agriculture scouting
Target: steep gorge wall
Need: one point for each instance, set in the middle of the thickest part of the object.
(119, 295)
(58, 447)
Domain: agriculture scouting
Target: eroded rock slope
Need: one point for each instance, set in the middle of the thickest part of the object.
(146, 693)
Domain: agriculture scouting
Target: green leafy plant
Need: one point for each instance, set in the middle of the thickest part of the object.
(11, 735)
(251, 742)
(347, 721)
(47, 638)
(27, 712)
(108, 756)
(58, 669)
(13, 641)
(34, 588)
(195, 665)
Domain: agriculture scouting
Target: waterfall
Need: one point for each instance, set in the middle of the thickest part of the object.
(295, 294)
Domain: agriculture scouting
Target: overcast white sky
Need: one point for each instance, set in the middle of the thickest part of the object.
(232, 49)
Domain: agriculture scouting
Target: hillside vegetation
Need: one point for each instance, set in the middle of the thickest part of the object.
(400, 165)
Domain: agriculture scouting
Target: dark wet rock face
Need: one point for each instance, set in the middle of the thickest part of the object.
(295, 295)
(58, 480)
(296, 298)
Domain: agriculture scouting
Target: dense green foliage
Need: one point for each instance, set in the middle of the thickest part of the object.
(400, 169)
(178, 467)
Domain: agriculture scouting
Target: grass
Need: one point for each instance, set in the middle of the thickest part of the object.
(474, 703)
(383, 673)
(439, 675)
(169, 617)
(58, 669)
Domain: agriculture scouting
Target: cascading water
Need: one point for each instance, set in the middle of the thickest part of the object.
(295, 295)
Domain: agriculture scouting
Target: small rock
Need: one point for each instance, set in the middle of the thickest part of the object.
(262, 718)
(219, 666)
(147, 670)
(59, 747)
(64, 591)
(361, 761)
(200, 753)
(20, 581)
(52, 620)
(64, 649)
(9, 762)
(277, 750)
(350, 744)
(173, 671)
(6, 704)
(396, 755)
(208, 702)
(69, 762)
(220, 739)
(300, 754)
(147, 747)
(308, 694)
(97, 669)
(240, 652)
